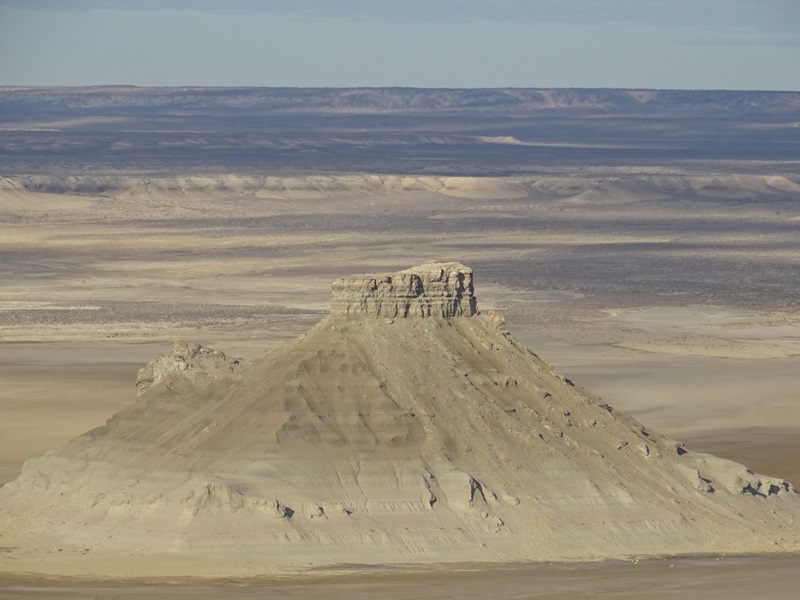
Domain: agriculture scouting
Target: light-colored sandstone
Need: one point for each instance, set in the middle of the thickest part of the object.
(193, 363)
(375, 441)
(430, 290)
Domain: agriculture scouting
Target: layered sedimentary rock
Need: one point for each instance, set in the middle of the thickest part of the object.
(429, 290)
(194, 363)
(377, 441)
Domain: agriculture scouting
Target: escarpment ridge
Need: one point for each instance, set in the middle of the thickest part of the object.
(428, 435)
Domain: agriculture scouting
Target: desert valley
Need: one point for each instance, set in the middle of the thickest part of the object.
(644, 245)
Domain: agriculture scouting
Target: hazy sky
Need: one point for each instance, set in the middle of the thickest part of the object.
(697, 44)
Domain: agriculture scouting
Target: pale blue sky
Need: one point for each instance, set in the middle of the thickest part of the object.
(694, 44)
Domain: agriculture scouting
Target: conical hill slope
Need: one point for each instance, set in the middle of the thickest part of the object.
(405, 427)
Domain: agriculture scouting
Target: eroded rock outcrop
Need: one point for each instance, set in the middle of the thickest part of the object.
(377, 441)
(192, 363)
(430, 290)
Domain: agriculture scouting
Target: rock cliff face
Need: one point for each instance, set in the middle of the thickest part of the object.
(429, 290)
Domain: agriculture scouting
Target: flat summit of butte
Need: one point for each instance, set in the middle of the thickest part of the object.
(406, 427)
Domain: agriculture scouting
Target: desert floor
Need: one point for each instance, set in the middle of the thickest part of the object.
(672, 297)
(711, 578)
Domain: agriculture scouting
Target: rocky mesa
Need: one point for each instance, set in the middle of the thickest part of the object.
(405, 428)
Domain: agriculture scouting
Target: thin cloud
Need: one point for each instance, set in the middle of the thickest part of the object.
(765, 16)
(742, 41)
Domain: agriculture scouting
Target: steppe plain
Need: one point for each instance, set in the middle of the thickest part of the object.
(647, 244)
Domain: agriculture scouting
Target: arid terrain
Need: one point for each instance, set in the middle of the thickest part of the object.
(667, 286)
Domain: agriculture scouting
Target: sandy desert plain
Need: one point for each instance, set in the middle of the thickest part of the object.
(670, 291)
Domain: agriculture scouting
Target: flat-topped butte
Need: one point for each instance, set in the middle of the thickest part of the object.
(442, 289)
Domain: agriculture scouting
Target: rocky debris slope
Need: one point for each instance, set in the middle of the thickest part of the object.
(378, 441)
(430, 290)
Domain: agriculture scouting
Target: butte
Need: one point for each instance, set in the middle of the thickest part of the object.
(405, 428)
